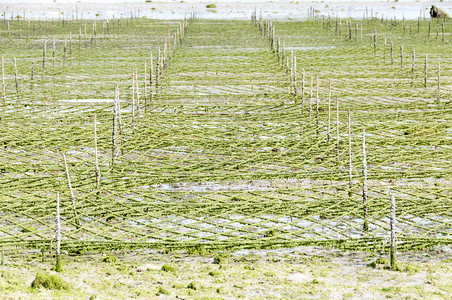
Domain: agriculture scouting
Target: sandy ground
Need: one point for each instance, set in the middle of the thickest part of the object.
(296, 273)
(223, 10)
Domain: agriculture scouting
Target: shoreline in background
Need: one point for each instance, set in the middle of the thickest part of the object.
(166, 10)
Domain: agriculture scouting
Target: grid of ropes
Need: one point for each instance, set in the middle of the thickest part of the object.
(240, 174)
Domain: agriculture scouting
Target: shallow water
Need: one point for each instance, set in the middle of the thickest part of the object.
(225, 9)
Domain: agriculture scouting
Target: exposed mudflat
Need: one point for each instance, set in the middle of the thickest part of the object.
(302, 272)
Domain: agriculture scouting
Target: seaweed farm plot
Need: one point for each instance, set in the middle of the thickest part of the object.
(225, 134)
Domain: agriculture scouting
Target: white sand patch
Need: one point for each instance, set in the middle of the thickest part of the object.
(299, 278)
(148, 267)
(87, 100)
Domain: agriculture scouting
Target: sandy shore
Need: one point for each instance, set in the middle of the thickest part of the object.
(224, 9)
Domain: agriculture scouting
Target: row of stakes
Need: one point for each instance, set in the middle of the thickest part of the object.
(289, 63)
(267, 30)
(107, 24)
(163, 57)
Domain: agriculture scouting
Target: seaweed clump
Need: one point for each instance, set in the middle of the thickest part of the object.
(49, 281)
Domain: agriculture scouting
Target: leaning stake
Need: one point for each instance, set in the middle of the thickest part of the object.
(77, 222)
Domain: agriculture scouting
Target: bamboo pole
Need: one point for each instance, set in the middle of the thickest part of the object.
(64, 52)
(133, 97)
(392, 54)
(3, 81)
(151, 68)
(53, 53)
(77, 222)
(425, 71)
(337, 126)
(349, 154)
(58, 235)
(44, 58)
(96, 155)
(114, 134)
(157, 72)
(317, 105)
(401, 57)
(295, 90)
(329, 112)
(310, 98)
(439, 82)
(145, 93)
(393, 258)
(366, 225)
(32, 70)
(302, 87)
(119, 120)
(137, 81)
(15, 75)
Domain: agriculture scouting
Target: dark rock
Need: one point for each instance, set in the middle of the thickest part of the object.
(435, 12)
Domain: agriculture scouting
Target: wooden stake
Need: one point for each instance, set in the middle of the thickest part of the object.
(77, 222)
(53, 54)
(3, 81)
(425, 72)
(317, 101)
(310, 98)
(439, 82)
(151, 68)
(302, 88)
(401, 56)
(317, 85)
(393, 235)
(413, 61)
(119, 121)
(295, 91)
(329, 112)
(15, 75)
(114, 134)
(291, 69)
(138, 93)
(349, 154)
(58, 235)
(157, 72)
(145, 87)
(96, 155)
(337, 126)
(366, 225)
(392, 54)
(133, 97)
(64, 52)
(44, 58)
